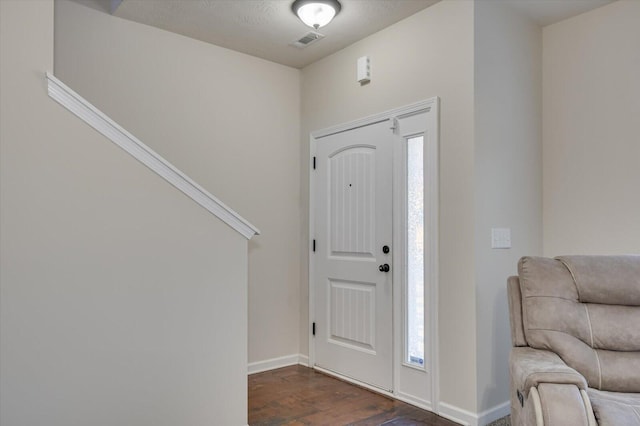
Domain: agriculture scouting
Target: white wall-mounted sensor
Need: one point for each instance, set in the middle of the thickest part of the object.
(364, 70)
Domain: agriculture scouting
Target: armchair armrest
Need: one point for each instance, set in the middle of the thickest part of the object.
(562, 405)
(546, 391)
(531, 367)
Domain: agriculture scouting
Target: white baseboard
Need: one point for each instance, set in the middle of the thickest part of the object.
(303, 360)
(494, 413)
(273, 363)
(467, 418)
(458, 415)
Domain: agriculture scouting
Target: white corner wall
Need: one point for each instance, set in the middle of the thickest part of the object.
(228, 120)
(122, 302)
(508, 181)
(591, 98)
(428, 54)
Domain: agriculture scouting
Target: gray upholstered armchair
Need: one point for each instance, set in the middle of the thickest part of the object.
(575, 328)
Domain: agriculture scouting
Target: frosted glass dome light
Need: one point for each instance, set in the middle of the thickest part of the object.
(316, 13)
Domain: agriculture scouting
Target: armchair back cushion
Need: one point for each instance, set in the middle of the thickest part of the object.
(586, 309)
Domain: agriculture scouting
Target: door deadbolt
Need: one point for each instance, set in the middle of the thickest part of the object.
(385, 249)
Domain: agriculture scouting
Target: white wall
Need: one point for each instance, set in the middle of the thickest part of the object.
(428, 54)
(228, 120)
(508, 177)
(591, 98)
(484, 62)
(122, 302)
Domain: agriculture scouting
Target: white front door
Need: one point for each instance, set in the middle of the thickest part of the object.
(353, 243)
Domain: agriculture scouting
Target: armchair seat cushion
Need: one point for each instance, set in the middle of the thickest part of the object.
(615, 408)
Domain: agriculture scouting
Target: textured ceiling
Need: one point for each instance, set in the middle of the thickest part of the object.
(266, 28)
(546, 12)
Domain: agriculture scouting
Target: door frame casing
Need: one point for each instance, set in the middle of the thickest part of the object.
(431, 259)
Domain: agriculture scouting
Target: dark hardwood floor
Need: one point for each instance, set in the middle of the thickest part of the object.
(299, 395)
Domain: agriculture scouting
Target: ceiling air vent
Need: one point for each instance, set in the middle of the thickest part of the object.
(307, 39)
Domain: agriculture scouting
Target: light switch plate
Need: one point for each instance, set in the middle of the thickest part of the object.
(500, 238)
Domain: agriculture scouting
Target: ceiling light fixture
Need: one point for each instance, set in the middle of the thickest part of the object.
(316, 13)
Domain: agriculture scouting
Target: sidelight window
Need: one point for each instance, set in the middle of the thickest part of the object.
(414, 309)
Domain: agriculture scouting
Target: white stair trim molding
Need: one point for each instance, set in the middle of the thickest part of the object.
(95, 118)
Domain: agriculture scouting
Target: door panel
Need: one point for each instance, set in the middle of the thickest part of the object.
(352, 306)
(353, 222)
(351, 202)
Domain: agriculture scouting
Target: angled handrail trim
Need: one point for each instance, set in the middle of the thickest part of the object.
(95, 118)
